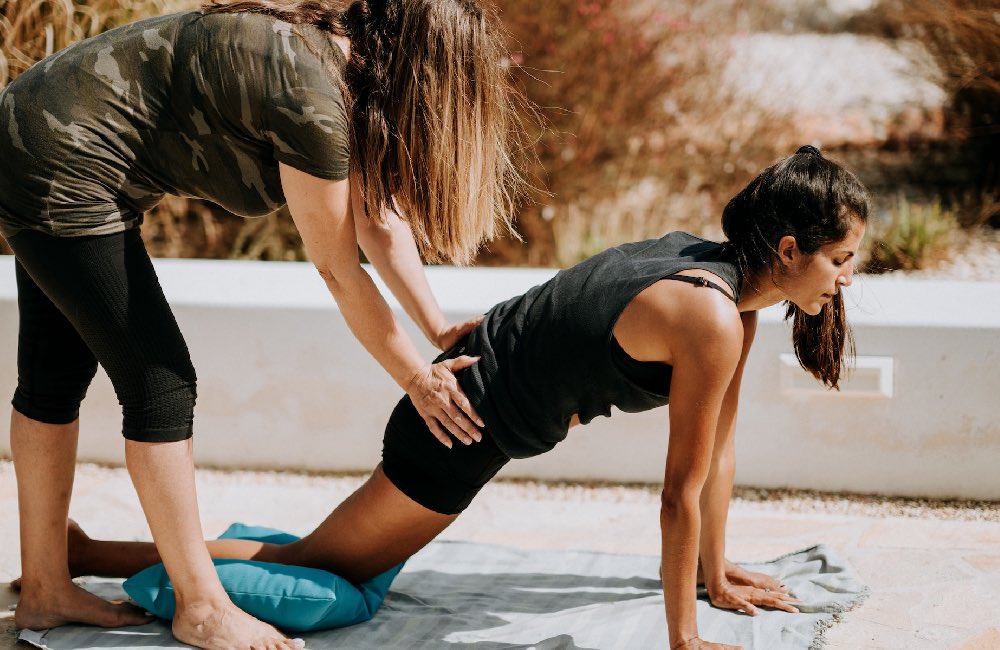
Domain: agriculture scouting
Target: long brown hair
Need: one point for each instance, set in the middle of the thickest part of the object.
(816, 201)
(434, 130)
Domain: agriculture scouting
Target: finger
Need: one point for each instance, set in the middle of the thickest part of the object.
(437, 432)
(454, 429)
(467, 426)
(459, 363)
(778, 603)
(775, 585)
(463, 403)
(748, 608)
(775, 600)
(470, 324)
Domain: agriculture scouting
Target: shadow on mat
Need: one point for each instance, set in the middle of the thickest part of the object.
(424, 609)
(427, 609)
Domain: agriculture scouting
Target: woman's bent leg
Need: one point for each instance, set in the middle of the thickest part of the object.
(374, 529)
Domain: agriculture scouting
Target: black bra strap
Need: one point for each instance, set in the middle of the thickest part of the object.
(699, 281)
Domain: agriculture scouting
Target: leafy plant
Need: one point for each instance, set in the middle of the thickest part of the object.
(915, 236)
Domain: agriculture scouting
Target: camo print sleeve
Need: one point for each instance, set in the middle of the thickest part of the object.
(202, 105)
(304, 114)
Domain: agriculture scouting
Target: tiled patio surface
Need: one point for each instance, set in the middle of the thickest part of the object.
(934, 575)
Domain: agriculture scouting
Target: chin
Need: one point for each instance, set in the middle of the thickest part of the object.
(813, 309)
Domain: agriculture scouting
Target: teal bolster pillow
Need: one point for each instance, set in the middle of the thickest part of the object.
(293, 598)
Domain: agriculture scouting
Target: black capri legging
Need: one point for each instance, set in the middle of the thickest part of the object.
(84, 300)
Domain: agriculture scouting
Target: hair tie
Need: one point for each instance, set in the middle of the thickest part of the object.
(809, 149)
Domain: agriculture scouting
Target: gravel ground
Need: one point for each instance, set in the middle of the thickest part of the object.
(749, 499)
(745, 499)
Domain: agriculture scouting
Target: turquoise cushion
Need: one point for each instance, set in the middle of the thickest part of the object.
(293, 598)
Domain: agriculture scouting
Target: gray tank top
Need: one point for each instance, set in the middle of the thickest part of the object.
(550, 353)
(190, 104)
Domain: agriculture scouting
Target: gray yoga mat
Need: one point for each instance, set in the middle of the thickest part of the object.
(483, 597)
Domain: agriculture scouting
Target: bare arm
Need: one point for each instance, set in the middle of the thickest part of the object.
(700, 334)
(321, 211)
(718, 490)
(729, 585)
(391, 250)
(705, 356)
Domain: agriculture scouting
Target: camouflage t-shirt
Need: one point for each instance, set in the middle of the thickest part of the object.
(189, 104)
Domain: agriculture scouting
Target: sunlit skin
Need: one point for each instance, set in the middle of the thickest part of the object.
(706, 339)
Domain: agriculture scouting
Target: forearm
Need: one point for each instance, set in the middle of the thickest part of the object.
(391, 250)
(680, 525)
(372, 322)
(715, 497)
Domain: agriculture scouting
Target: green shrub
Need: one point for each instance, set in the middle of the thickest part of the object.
(915, 236)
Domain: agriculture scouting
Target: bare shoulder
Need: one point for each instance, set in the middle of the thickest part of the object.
(672, 319)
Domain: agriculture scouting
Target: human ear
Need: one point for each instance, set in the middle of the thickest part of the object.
(788, 248)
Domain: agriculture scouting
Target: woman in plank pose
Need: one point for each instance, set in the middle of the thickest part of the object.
(636, 326)
(385, 123)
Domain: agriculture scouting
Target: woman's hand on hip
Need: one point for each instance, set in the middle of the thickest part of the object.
(747, 598)
(452, 334)
(439, 400)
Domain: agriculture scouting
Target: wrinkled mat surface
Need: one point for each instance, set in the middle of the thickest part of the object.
(462, 595)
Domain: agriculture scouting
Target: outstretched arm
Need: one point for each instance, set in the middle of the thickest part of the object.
(705, 356)
(721, 576)
(391, 250)
(321, 211)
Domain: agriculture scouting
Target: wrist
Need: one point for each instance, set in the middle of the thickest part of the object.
(436, 331)
(409, 378)
(684, 644)
(713, 575)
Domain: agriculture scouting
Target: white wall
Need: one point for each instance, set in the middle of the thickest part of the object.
(283, 384)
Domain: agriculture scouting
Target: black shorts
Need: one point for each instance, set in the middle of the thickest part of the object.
(441, 479)
(84, 300)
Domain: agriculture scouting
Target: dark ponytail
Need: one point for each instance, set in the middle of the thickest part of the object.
(816, 201)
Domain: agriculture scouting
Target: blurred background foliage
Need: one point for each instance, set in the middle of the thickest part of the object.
(637, 129)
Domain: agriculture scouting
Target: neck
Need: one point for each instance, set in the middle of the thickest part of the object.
(759, 291)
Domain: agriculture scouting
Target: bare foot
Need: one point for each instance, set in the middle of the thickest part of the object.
(226, 627)
(40, 609)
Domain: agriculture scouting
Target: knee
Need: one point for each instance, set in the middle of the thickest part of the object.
(163, 411)
(53, 395)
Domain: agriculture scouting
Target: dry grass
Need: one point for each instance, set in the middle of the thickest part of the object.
(963, 36)
(30, 30)
(636, 136)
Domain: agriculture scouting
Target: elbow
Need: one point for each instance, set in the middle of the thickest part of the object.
(679, 502)
(328, 274)
(336, 277)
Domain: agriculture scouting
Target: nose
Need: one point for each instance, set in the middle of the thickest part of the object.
(846, 278)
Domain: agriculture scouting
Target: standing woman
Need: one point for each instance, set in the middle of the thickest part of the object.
(384, 124)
